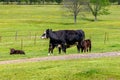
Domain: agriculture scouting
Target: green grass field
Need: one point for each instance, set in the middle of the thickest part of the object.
(83, 69)
(27, 23)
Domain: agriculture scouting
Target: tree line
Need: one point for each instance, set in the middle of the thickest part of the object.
(96, 7)
(33, 2)
(30, 2)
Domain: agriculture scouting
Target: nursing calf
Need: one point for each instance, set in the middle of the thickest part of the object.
(86, 45)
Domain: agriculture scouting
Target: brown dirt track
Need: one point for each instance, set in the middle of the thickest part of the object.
(63, 57)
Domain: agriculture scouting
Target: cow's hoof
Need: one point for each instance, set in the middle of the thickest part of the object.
(48, 54)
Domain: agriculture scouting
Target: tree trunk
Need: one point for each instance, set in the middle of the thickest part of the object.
(75, 18)
(118, 2)
(95, 18)
(43, 1)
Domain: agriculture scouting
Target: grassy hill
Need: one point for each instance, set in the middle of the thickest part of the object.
(24, 24)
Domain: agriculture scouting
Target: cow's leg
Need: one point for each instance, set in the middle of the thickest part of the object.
(79, 47)
(82, 49)
(90, 48)
(64, 48)
(59, 50)
(51, 48)
(87, 50)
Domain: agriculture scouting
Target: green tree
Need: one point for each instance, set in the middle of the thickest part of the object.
(75, 7)
(118, 2)
(98, 7)
(6, 1)
(58, 1)
(113, 1)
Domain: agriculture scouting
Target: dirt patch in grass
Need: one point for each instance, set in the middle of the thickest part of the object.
(63, 57)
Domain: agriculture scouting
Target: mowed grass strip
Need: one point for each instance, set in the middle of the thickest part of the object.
(24, 24)
(80, 69)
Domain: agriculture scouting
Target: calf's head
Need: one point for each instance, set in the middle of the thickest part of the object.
(12, 50)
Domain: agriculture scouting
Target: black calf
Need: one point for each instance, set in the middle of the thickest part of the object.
(13, 51)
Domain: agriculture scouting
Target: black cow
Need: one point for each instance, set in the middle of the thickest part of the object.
(13, 51)
(64, 38)
(53, 41)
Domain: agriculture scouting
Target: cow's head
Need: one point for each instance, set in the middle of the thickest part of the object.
(12, 50)
(45, 35)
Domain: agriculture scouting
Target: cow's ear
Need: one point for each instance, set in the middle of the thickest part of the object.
(50, 29)
(47, 29)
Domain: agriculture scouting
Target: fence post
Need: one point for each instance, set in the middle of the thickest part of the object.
(21, 44)
(0, 38)
(108, 36)
(30, 35)
(105, 38)
(35, 39)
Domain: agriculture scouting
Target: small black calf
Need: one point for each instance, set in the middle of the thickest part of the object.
(13, 51)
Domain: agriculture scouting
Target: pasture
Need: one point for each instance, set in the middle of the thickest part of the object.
(80, 69)
(22, 25)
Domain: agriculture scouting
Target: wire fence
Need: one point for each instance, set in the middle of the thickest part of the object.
(33, 38)
(20, 40)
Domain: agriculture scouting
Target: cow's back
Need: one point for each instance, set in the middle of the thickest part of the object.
(73, 36)
(81, 33)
